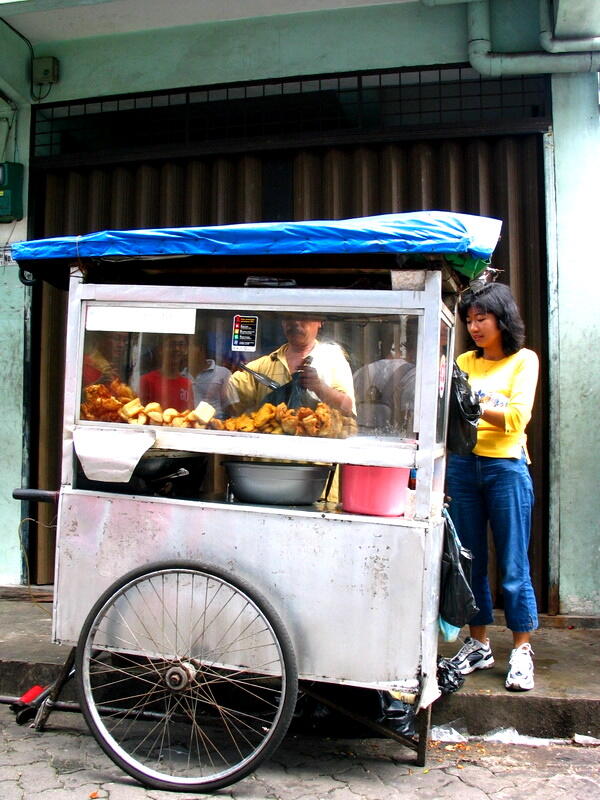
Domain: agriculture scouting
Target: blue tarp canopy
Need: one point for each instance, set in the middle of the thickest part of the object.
(422, 232)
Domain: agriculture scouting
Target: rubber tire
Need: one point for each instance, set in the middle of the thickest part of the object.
(287, 699)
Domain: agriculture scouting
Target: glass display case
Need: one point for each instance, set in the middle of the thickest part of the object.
(201, 356)
(303, 375)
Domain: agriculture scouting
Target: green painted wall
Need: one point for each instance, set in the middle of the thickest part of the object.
(12, 301)
(14, 85)
(380, 36)
(14, 66)
(376, 37)
(577, 382)
(12, 310)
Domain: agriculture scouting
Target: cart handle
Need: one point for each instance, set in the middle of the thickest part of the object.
(39, 495)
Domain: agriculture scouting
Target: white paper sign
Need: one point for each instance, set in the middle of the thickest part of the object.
(111, 455)
(140, 319)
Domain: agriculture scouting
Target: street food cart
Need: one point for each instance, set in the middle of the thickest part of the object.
(196, 608)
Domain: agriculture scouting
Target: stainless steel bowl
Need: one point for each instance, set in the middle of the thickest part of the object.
(276, 483)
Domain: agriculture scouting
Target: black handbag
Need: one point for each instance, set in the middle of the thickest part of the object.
(457, 602)
(463, 413)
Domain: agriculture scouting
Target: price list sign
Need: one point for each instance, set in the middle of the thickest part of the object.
(244, 334)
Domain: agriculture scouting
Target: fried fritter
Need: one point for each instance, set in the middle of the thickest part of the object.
(264, 415)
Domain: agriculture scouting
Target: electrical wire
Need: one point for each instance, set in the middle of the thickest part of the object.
(9, 126)
(39, 97)
(5, 247)
(26, 560)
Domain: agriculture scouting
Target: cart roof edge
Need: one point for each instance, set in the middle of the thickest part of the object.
(470, 238)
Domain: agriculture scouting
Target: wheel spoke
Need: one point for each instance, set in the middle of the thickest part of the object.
(186, 680)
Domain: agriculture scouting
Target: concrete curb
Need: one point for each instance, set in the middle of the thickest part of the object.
(565, 701)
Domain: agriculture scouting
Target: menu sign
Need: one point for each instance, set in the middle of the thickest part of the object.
(244, 334)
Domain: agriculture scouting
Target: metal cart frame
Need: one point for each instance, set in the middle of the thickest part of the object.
(179, 600)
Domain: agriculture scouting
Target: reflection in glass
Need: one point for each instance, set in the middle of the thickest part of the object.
(331, 375)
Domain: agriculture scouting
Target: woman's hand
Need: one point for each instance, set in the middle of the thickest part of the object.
(493, 416)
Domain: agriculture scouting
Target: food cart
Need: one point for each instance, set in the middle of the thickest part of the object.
(197, 609)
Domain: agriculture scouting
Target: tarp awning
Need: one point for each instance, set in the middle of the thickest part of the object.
(423, 232)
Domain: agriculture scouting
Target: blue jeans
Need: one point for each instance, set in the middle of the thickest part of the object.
(498, 491)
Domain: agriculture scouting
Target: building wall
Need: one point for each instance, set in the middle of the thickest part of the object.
(360, 38)
(575, 385)
(375, 37)
(13, 308)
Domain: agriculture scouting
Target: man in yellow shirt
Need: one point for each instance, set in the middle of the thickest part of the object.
(328, 377)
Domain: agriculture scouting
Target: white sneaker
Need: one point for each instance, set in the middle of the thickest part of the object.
(473, 655)
(520, 673)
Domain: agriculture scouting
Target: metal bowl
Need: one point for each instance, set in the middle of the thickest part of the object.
(276, 483)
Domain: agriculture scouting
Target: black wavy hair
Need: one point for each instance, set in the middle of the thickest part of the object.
(496, 299)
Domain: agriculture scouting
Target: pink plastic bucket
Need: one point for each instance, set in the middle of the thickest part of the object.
(379, 491)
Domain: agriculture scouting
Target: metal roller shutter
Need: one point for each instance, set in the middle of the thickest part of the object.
(493, 175)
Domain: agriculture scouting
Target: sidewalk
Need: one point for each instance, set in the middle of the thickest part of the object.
(566, 697)
(565, 701)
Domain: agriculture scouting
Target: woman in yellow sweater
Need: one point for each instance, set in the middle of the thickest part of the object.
(492, 484)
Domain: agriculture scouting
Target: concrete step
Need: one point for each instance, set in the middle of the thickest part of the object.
(564, 702)
(566, 697)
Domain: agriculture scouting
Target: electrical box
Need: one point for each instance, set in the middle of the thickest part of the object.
(44, 70)
(11, 191)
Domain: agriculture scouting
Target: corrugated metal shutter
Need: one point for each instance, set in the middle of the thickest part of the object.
(496, 176)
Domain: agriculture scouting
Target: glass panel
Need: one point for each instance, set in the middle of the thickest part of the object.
(443, 381)
(334, 375)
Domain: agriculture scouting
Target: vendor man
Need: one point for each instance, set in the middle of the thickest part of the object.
(327, 376)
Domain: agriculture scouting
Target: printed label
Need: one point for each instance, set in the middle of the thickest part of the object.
(245, 333)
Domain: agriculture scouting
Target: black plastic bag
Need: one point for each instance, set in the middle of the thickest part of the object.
(457, 603)
(293, 394)
(315, 718)
(463, 413)
(396, 714)
(449, 677)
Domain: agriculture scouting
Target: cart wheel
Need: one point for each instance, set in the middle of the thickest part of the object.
(25, 715)
(187, 676)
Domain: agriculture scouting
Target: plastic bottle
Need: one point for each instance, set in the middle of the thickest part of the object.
(412, 479)
(411, 495)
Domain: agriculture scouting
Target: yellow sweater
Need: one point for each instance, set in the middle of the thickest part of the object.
(507, 384)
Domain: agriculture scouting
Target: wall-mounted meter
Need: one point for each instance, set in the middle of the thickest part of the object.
(11, 191)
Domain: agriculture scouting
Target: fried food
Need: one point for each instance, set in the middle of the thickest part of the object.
(118, 403)
(331, 421)
(350, 427)
(141, 419)
(113, 404)
(168, 415)
(100, 404)
(121, 390)
(323, 421)
(245, 423)
(180, 421)
(132, 408)
(310, 424)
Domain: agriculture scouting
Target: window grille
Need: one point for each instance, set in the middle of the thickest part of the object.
(374, 104)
